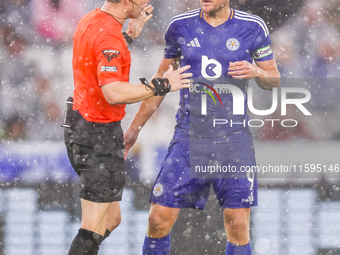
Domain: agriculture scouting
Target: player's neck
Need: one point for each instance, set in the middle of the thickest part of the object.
(117, 11)
(218, 17)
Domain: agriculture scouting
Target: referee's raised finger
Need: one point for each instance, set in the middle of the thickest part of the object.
(148, 9)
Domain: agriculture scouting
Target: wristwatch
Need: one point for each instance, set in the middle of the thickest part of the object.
(127, 37)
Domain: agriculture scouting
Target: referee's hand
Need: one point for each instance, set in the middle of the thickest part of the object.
(178, 78)
(130, 138)
(136, 26)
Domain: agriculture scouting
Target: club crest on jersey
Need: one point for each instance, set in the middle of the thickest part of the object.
(110, 54)
(233, 44)
(158, 190)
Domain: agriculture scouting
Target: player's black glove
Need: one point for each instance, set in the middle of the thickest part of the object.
(161, 85)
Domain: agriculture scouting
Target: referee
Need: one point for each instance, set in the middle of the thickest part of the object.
(93, 134)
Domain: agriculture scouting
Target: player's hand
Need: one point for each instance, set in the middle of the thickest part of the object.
(130, 137)
(243, 70)
(136, 26)
(178, 79)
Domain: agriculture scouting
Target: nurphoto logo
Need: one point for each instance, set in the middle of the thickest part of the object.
(239, 105)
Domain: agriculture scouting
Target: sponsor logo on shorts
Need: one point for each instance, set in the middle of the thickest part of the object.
(110, 54)
(233, 44)
(158, 190)
(263, 52)
(250, 199)
(108, 69)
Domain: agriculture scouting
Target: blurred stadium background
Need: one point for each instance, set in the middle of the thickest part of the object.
(39, 203)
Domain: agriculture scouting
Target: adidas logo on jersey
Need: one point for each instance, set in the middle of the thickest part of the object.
(194, 43)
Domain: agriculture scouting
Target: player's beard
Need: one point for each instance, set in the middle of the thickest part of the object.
(216, 12)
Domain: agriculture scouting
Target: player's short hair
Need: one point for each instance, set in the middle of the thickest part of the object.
(114, 1)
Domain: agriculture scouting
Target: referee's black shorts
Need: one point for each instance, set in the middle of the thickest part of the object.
(96, 152)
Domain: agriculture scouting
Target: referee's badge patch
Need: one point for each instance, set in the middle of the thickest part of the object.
(110, 54)
(108, 69)
(233, 44)
(158, 190)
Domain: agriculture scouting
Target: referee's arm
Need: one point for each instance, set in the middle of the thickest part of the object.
(147, 107)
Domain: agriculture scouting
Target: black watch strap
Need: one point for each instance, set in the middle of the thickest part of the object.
(161, 85)
(146, 83)
(127, 37)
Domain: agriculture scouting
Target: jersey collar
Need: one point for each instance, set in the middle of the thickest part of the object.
(231, 16)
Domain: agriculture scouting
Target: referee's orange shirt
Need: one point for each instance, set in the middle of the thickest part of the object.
(100, 56)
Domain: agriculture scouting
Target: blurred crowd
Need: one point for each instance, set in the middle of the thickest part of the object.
(36, 52)
(35, 35)
(307, 50)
